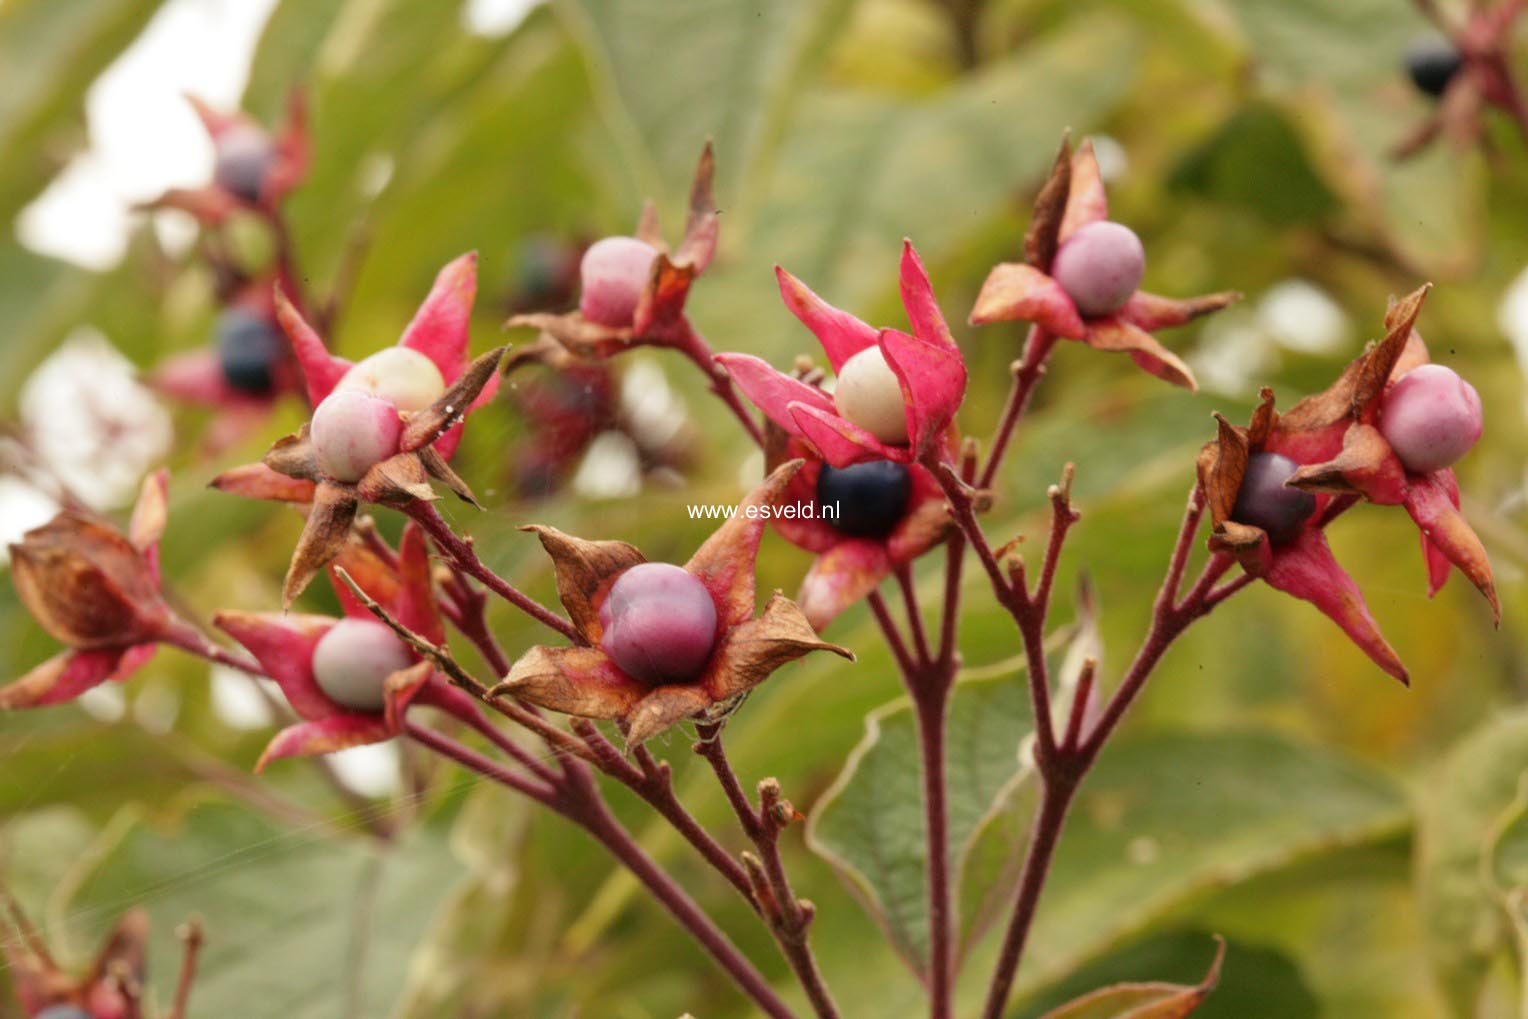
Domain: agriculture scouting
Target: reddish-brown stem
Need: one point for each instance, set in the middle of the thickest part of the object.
(576, 797)
(894, 639)
(1062, 772)
(580, 802)
(688, 341)
(789, 917)
(653, 781)
(191, 937)
(509, 748)
(542, 792)
(465, 558)
(1026, 373)
(914, 614)
(931, 705)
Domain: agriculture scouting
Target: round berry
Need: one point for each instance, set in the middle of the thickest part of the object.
(1431, 417)
(614, 272)
(402, 376)
(249, 348)
(869, 394)
(1264, 501)
(659, 623)
(1432, 62)
(243, 156)
(352, 430)
(1099, 267)
(869, 498)
(63, 1012)
(353, 660)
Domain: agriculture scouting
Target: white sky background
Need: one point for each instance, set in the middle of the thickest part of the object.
(143, 136)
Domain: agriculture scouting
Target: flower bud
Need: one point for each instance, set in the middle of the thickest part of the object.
(1431, 417)
(1099, 267)
(352, 661)
(243, 155)
(614, 272)
(402, 376)
(869, 394)
(351, 431)
(659, 623)
(1264, 500)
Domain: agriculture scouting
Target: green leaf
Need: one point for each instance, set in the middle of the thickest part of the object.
(1172, 813)
(1157, 1000)
(871, 825)
(1338, 67)
(310, 923)
(744, 63)
(1465, 812)
(859, 173)
(50, 53)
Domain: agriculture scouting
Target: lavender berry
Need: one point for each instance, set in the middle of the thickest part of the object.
(1264, 501)
(1099, 267)
(659, 623)
(614, 272)
(351, 431)
(352, 661)
(243, 157)
(1431, 417)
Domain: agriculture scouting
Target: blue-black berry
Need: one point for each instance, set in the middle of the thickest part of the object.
(249, 346)
(870, 498)
(1432, 63)
(1265, 502)
(243, 157)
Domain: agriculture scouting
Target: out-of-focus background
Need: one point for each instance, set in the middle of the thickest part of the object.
(1357, 843)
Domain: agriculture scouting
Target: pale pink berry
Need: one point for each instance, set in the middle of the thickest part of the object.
(402, 376)
(352, 661)
(614, 272)
(1099, 267)
(868, 394)
(659, 623)
(1431, 417)
(351, 431)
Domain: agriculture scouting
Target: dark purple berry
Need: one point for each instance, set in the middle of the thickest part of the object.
(249, 347)
(243, 156)
(870, 498)
(659, 622)
(1265, 502)
(1432, 63)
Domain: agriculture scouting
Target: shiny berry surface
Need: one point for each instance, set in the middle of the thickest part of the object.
(867, 393)
(351, 431)
(249, 348)
(402, 376)
(870, 498)
(353, 660)
(1431, 417)
(659, 623)
(1099, 267)
(1431, 63)
(1265, 502)
(243, 157)
(614, 272)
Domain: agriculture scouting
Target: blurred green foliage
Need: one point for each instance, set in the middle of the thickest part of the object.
(1272, 786)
